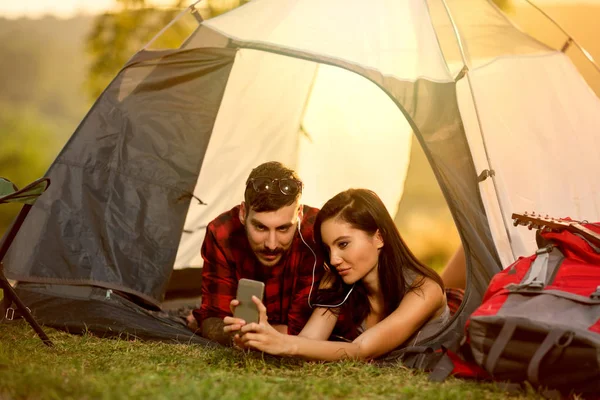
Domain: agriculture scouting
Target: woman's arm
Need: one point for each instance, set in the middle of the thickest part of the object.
(320, 324)
(415, 309)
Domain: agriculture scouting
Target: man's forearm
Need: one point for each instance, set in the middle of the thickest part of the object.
(212, 328)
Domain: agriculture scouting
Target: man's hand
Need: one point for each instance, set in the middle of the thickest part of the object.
(212, 328)
(232, 324)
(191, 322)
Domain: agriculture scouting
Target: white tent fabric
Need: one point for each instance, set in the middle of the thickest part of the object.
(542, 148)
(334, 127)
(482, 30)
(522, 105)
(271, 117)
(356, 137)
(395, 37)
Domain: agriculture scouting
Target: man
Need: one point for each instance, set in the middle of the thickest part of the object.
(265, 238)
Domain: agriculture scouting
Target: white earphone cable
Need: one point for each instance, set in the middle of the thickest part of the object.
(313, 276)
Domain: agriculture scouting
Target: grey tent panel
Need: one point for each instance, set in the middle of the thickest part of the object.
(88, 309)
(122, 185)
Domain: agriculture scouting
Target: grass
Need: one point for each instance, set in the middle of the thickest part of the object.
(87, 367)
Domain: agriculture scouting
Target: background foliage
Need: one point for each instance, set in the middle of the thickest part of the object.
(42, 70)
(116, 36)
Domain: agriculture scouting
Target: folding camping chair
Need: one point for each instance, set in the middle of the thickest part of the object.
(9, 193)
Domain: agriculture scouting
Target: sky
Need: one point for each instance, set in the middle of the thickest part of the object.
(68, 8)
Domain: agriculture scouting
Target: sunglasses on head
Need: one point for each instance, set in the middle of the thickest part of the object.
(286, 186)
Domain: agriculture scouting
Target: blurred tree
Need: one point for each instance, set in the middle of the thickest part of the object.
(505, 5)
(41, 100)
(118, 35)
(19, 61)
(26, 150)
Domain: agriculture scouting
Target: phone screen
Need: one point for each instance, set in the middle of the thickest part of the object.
(247, 310)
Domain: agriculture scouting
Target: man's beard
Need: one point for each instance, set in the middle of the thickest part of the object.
(267, 252)
(271, 258)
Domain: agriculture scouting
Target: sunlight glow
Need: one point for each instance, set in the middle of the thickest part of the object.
(62, 8)
(70, 8)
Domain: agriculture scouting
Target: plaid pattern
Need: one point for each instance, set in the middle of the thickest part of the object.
(454, 297)
(228, 258)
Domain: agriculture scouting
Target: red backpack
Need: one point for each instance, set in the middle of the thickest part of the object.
(539, 320)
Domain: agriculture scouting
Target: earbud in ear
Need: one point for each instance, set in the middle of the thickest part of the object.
(300, 215)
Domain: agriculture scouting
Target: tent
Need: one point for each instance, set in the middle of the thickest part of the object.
(333, 88)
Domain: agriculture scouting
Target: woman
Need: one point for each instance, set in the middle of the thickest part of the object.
(381, 294)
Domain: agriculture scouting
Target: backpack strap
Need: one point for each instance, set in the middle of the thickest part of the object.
(553, 338)
(442, 369)
(542, 269)
(420, 357)
(500, 343)
(536, 275)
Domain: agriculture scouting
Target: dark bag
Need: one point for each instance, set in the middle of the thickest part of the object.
(539, 320)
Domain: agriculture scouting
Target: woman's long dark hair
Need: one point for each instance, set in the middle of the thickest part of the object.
(364, 210)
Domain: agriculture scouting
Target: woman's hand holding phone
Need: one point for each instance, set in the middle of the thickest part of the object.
(244, 309)
(262, 336)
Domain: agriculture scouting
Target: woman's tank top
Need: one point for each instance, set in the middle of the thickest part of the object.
(429, 329)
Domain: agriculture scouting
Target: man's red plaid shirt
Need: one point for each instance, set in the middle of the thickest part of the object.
(228, 258)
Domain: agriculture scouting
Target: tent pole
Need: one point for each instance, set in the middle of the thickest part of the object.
(570, 39)
(189, 8)
(304, 107)
(466, 73)
(196, 13)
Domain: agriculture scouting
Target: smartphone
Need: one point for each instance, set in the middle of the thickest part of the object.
(247, 310)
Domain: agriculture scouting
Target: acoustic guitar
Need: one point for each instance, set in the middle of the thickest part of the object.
(549, 224)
